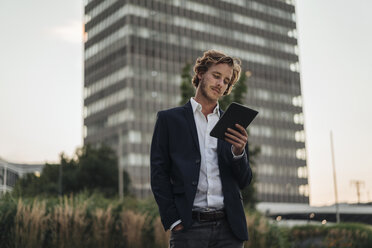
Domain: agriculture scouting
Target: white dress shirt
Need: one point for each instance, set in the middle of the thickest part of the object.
(209, 194)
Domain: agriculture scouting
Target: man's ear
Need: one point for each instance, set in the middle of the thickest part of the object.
(200, 75)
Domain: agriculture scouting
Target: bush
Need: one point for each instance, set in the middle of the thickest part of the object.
(337, 235)
(262, 233)
(8, 210)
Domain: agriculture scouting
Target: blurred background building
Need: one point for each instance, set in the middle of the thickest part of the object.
(11, 172)
(134, 54)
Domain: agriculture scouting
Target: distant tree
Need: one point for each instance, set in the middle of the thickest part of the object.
(187, 88)
(98, 170)
(90, 170)
(236, 95)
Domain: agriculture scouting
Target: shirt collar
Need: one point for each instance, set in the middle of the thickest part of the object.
(197, 106)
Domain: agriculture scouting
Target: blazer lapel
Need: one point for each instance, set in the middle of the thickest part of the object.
(219, 141)
(189, 115)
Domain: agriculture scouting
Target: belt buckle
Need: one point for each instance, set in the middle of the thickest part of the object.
(198, 214)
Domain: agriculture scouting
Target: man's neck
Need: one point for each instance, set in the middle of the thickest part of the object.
(207, 106)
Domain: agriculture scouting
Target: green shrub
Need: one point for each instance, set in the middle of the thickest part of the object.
(8, 210)
(336, 235)
(262, 233)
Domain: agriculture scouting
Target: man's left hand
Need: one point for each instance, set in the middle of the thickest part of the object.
(237, 138)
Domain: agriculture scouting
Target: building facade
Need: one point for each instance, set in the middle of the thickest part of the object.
(11, 172)
(134, 53)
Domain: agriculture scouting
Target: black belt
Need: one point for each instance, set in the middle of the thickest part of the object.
(208, 216)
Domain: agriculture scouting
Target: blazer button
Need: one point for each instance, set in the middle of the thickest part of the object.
(197, 161)
(194, 183)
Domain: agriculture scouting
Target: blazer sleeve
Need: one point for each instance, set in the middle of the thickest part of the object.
(241, 169)
(160, 173)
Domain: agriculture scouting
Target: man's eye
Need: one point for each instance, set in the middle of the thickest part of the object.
(216, 76)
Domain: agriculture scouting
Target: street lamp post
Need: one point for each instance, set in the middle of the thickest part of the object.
(120, 164)
(335, 181)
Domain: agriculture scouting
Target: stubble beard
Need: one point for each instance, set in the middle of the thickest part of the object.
(204, 92)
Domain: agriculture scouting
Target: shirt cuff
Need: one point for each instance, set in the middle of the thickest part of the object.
(237, 156)
(175, 224)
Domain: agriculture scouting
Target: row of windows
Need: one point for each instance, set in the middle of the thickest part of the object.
(171, 19)
(127, 93)
(103, 103)
(263, 9)
(299, 118)
(270, 132)
(138, 137)
(277, 115)
(131, 115)
(129, 72)
(139, 159)
(113, 78)
(282, 171)
(290, 84)
(159, 77)
(194, 6)
(228, 15)
(290, 2)
(136, 159)
(120, 117)
(105, 23)
(202, 45)
(267, 95)
(141, 186)
(288, 189)
(182, 40)
(98, 9)
(274, 151)
(9, 179)
(297, 101)
(107, 41)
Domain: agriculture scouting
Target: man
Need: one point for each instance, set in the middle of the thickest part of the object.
(196, 178)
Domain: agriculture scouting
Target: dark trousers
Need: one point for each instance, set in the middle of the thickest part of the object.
(214, 234)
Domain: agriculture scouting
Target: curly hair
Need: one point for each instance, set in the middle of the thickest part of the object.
(213, 57)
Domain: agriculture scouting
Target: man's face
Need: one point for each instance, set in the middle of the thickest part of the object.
(214, 82)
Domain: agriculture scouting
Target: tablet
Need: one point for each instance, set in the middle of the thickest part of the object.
(235, 114)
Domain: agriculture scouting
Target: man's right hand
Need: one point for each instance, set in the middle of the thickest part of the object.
(177, 228)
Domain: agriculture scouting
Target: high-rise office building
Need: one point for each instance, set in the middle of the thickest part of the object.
(134, 54)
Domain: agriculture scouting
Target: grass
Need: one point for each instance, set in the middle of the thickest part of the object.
(94, 221)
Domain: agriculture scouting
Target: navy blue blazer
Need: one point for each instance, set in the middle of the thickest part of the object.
(175, 165)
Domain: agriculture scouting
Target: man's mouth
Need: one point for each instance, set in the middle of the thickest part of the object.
(216, 90)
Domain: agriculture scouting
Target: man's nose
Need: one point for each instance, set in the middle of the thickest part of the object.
(220, 82)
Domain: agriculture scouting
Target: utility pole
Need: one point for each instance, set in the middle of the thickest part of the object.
(120, 163)
(335, 181)
(357, 184)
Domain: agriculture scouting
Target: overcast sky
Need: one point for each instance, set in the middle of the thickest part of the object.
(41, 87)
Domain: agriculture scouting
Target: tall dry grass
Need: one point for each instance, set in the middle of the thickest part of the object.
(31, 224)
(258, 227)
(132, 225)
(69, 224)
(161, 237)
(103, 226)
